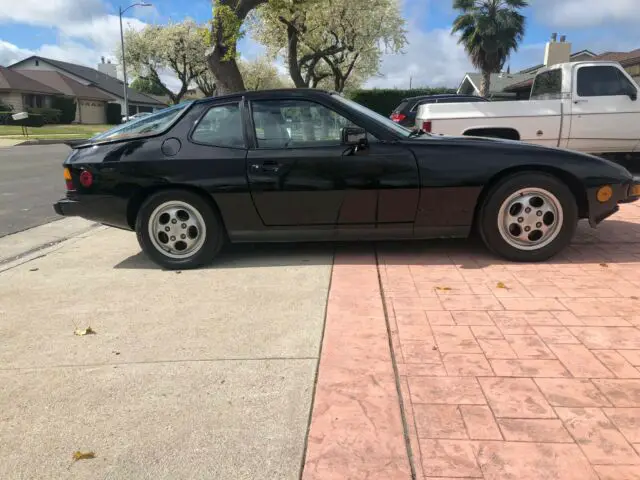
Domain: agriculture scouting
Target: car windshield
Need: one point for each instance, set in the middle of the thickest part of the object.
(145, 125)
(400, 130)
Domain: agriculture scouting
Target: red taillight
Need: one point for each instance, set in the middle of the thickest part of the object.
(426, 126)
(398, 117)
(86, 179)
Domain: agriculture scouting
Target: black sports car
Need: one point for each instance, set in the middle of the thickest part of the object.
(295, 165)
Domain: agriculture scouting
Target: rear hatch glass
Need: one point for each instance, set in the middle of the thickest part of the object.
(401, 107)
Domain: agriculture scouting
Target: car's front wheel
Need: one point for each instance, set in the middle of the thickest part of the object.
(528, 217)
(179, 229)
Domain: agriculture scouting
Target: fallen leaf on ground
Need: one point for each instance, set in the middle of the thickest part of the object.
(83, 456)
(501, 285)
(444, 289)
(33, 270)
(604, 265)
(84, 331)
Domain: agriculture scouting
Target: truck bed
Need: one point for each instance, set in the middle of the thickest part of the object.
(528, 117)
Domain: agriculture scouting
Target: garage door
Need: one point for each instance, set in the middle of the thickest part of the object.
(93, 112)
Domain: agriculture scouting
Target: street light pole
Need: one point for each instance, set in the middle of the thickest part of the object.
(124, 70)
(124, 62)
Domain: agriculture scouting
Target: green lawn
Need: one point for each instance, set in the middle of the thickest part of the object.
(54, 131)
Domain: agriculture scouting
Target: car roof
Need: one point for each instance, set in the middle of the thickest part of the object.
(252, 94)
(440, 95)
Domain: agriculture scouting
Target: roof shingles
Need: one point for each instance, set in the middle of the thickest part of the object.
(10, 80)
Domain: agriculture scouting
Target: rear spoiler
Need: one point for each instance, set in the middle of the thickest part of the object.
(77, 143)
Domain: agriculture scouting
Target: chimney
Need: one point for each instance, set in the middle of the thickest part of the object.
(557, 52)
(107, 68)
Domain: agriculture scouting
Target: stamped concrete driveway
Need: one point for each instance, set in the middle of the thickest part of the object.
(198, 374)
(490, 370)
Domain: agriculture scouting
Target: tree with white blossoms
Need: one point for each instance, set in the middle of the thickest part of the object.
(332, 44)
(177, 48)
(262, 74)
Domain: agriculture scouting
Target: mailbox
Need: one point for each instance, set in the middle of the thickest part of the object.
(20, 116)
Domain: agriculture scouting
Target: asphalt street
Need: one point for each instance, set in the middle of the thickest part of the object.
(30, 182)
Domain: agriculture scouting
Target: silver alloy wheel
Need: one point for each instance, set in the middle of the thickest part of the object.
(177, 229)
(530, 219)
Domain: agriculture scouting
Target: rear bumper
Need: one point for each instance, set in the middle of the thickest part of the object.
(105, 209)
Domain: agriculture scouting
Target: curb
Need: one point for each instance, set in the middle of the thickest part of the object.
(50, 234)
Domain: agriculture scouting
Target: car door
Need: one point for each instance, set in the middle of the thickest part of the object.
(603, 110)
(300, 173)
(296, 172)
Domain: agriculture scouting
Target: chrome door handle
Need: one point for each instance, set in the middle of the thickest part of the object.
(580, 101)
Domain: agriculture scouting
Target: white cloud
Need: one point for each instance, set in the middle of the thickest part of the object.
(86, 32)
(50, 12)
(431, 59)
(10, 53)
(586, 13)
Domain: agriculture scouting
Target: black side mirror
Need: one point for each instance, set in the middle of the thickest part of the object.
(633, 94)
(354, 136)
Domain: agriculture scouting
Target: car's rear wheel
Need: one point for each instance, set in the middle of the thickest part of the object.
(179, 229)
(528, 217)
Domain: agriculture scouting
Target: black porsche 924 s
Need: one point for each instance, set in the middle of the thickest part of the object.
(296, 165)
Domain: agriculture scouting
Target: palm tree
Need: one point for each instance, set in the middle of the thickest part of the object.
(489, 30)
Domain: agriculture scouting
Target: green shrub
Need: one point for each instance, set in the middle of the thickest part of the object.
(67, 107)
(385, 100)
(4, 107)
(33, 120)
(50, 116)
(114, 113)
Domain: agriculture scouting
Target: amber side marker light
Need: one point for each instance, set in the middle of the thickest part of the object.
(604, 194)
(634, 191)
(67, 179)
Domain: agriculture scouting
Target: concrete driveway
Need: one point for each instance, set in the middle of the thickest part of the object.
(198, 374)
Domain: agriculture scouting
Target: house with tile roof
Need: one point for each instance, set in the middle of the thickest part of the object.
(109, 85)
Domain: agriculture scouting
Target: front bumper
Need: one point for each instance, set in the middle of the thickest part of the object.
(633, 191)
(622, 193)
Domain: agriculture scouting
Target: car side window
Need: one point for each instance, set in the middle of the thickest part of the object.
(296, 123)
(602, 81)
(221, 126)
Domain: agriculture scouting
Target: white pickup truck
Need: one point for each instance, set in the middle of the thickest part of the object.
(590, 107)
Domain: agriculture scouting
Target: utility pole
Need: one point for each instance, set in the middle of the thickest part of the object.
(124, 63)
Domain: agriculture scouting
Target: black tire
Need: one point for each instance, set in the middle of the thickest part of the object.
(490, 211)
(214, 238)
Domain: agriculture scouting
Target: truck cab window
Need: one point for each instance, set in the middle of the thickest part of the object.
(602, 81)
(547, 85)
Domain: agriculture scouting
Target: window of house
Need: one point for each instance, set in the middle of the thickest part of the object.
(547, 85)
(221, 126)
(296, 123)
(33, 101)
(602, 81)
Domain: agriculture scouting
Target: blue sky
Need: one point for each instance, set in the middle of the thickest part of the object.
(82, 31)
